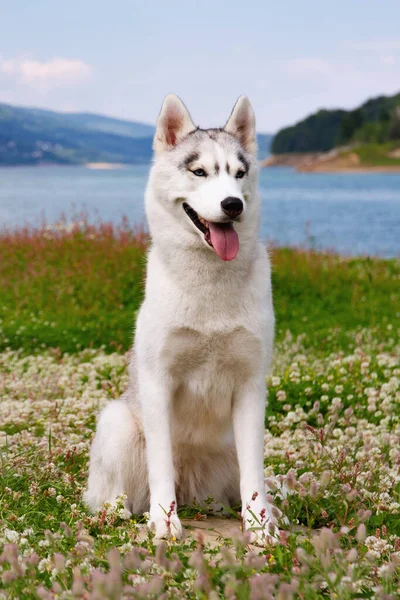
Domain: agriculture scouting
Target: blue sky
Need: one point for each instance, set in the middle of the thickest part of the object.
(120, 58)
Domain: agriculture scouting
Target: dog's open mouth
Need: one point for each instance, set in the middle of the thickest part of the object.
(222, 237)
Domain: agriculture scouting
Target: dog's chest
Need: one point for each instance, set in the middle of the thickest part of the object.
(191, 356)
(206, 369)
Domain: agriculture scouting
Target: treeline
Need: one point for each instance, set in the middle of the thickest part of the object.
(375, 121)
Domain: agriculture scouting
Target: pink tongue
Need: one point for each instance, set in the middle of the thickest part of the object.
(224, 239)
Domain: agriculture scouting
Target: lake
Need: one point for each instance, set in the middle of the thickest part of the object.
(353, 214)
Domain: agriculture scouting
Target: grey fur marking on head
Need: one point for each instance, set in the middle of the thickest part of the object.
(190, 159)
(244, 161)
(201, 141)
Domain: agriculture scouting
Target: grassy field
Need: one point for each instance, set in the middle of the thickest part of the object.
(81, 287)
(377, 155)
(68, 298)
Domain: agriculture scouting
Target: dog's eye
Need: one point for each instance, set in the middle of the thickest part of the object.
(200, 173)
(240, 174)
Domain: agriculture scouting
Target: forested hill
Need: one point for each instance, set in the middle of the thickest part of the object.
(375, 121)
(31, 136)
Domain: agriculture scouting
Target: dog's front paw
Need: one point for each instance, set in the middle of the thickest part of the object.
(166, 525)
(261, 535)
(259, 521)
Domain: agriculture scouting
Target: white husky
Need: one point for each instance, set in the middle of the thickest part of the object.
(191, 424)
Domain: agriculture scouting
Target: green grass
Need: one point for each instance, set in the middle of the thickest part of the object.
(82, 289)
(68, 300)
(376, 155)
(315, 294)
(70, 290)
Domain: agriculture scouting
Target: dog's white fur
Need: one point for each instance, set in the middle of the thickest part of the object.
(191, 424)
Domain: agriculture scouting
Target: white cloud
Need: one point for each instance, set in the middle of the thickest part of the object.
(7, 66)
(57, 71)
(388, 60)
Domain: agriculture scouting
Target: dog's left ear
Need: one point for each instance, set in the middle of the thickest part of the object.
(174, 122)
(242, 124)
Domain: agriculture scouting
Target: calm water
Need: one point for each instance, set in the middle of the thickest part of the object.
(353, 214)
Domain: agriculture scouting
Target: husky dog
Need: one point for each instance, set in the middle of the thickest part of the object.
(191, 424)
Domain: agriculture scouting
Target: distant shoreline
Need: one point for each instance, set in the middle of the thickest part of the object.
(353, 170)
(335, 161)
(104, 166)
(100, 166)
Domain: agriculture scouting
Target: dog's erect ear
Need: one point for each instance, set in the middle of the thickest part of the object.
(242, 124)
(174, 122)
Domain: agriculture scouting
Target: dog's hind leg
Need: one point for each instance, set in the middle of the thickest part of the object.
(117, 461)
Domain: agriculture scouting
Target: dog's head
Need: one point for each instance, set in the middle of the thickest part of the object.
(205, 178)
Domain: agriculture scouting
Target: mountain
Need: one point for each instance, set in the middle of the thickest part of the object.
(36, 136)
(33, 136)
(111, 125)
(375, 121)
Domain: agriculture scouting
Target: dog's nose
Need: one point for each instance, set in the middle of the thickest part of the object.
(232, 207)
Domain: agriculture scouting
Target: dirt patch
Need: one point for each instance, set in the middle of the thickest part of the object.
(394, 153)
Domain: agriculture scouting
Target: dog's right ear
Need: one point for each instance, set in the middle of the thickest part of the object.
(174, 122)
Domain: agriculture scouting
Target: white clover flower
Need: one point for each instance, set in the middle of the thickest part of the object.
(11, 535)
(378, 544)
(28, 532)
(45, 565)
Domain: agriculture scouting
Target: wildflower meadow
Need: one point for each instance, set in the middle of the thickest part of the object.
(68, 299)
